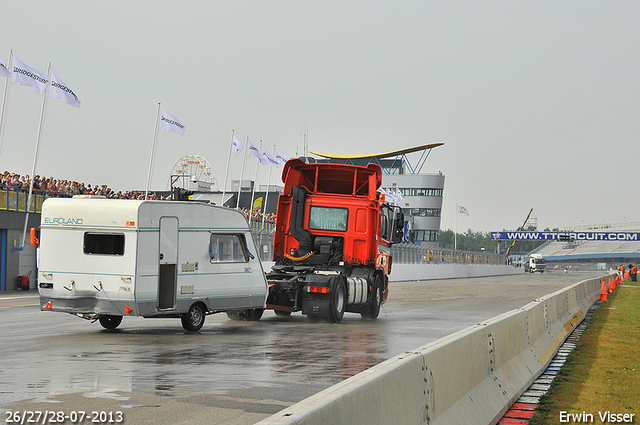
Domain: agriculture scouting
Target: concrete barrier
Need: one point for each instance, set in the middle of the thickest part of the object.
(405, 272)
(469, 377)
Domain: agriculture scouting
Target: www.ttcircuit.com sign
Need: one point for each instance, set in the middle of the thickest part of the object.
(565, 236)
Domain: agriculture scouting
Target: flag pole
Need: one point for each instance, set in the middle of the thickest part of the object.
(455, 233)
(35, 156)
(266, 194)
(241, 173)
(5, 96)
(226, 173)
(153, 148)
(255, 180)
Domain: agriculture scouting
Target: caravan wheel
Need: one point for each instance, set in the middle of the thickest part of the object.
(110, 322)
(193, 319)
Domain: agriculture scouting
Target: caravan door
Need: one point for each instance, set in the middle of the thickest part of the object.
(168, 263)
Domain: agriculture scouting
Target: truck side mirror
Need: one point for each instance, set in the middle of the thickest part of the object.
(398, 232)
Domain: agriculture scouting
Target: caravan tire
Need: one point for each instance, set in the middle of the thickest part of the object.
(110, 322)
(193, 319)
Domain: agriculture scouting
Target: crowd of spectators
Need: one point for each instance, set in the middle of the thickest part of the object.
(257, 215)
(61, 188)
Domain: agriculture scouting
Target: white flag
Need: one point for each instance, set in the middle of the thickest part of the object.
(281, 158)
(400, 196)
(59, 90)
(389, 196)
(25, 75)
(462, 210)
(4, 71)
(171, 123)
(236, 146)
(270, 159)
(254, 152)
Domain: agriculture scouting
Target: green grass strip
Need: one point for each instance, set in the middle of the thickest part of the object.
(603, 373)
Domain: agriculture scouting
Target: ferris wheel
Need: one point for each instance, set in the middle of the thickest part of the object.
(192, 172)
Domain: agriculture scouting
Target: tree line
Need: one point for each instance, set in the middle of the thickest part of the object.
(475, 241)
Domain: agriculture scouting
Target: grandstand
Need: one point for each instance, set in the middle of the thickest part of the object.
(591, 253)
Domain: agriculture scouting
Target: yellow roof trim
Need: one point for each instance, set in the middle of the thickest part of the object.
(379, 155)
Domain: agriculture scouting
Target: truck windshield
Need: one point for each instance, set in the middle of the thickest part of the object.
(327, 218)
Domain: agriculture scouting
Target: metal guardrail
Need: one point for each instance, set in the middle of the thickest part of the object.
(408, 253)
(403, 253)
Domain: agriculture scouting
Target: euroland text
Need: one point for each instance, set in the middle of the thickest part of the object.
(606, 417)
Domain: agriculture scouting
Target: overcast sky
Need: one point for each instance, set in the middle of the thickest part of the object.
(538, 103)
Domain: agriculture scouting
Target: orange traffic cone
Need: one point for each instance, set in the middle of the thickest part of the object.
(611, 285)
(603, 292)
(626, 276)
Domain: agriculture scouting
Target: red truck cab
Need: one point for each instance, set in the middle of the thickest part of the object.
(331, 243)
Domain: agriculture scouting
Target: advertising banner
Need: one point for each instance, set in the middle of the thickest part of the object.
(565, 236)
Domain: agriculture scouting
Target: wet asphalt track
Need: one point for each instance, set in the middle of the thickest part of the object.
(230, 372)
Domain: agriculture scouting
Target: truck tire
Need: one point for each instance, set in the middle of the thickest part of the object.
(110, 322)
(338, 301)
(248, 315)
(234, 315)
(253, 315)
(372, 309)
(193, 319)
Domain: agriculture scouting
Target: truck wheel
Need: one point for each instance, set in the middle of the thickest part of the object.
(193, 319)
(110, 322)
(372, 309)
(338, 301)
(253, 315)
(234, 315)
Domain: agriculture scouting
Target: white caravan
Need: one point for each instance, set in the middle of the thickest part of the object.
(104, 259)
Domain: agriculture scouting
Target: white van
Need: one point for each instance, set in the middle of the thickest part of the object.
(105, 259)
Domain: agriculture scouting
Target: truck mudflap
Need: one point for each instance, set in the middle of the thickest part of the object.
(324, 296)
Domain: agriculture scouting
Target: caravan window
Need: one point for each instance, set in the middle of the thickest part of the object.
(227, 249)
(104, 243)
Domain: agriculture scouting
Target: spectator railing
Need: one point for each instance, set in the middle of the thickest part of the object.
(11, 200)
